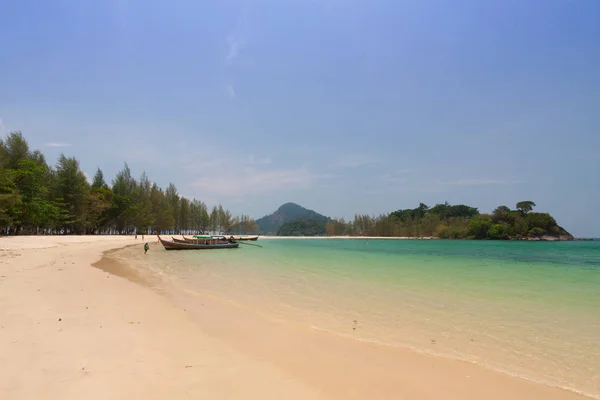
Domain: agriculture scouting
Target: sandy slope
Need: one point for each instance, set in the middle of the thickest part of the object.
(71, 331)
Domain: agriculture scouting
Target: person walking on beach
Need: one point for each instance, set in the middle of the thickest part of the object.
(146, 247)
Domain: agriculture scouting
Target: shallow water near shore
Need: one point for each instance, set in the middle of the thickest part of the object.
(527, 309)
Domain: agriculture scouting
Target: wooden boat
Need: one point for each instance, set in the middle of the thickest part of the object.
(202, 241)
(250, 238)
(172, 245)
(230, 237)
(210, 238)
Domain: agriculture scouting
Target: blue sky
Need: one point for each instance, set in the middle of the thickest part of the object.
(341, 106)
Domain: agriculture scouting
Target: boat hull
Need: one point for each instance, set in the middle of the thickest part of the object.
(243, 238)
(247, 238)
(201, 241)
(171, 245)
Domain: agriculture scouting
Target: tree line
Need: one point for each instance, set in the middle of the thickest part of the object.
(452, 222)
(302, 227)
(36, 198)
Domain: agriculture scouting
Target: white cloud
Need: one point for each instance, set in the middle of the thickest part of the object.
(206, 168)
(236, 182)
(57, 144)
(397, 176)
(353, 161)
(198, 157)
(230, 90)
(143, 153)
(252, 160)
(397, 179)
(218, 175)
(477, 182)
(1, 126)
(235, 47)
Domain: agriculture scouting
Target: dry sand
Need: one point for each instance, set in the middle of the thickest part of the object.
(72, 331)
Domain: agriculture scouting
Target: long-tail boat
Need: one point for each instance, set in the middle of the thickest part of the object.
(173, 245)
(202, 241)
(251, 238)
(225, 237)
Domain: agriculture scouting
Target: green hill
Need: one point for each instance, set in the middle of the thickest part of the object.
(288, 213)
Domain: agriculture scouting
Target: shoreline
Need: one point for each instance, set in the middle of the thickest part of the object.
(271, 237)
(220, 342)
(268, 237)
(544, 239)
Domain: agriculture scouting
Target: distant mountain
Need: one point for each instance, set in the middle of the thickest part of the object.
(289, 212)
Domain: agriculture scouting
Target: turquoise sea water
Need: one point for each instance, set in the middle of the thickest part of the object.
(530, 309)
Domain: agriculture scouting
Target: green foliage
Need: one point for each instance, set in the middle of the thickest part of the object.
(35, 198)
(3, 156)
(163, 217)
(537, 232)
(225, 219)
(244, 225)
(336, 227)
(501, 214)
(498, 232)
(442, 211)
(10, 199)
(525, 206)
(302, 227)
(199, 216)
(99, 181)
(36, 208)
(214, 219)
(450, 232)
(15, 150)
(541, 220)
(479, 226)
(74, 189)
